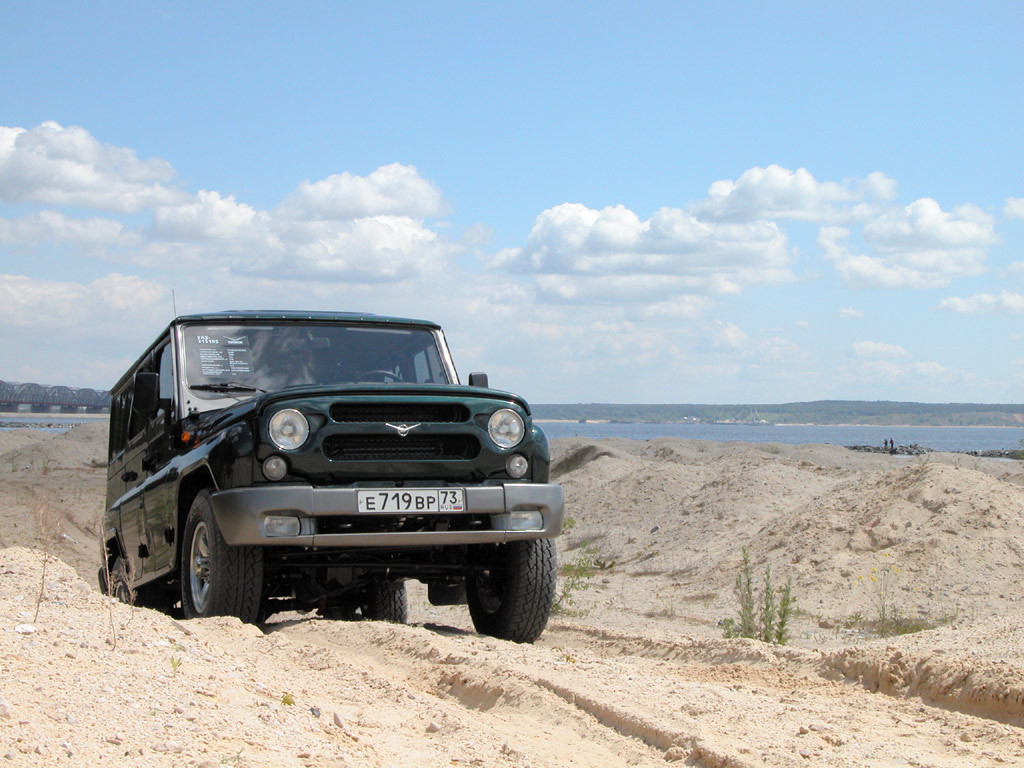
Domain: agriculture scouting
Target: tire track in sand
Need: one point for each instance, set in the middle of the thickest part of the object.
(642, 700)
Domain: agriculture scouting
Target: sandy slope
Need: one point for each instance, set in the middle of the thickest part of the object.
(643, 678)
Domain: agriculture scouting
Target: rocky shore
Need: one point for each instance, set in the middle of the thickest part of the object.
(921, 450)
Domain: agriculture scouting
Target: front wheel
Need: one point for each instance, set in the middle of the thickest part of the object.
(513, 600)
(216, 579)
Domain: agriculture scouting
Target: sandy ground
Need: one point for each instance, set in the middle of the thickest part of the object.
(637, 674)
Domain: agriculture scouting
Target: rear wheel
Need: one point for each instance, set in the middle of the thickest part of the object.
(119, 584)
(513, 600)
(216, 579)
(386, 601)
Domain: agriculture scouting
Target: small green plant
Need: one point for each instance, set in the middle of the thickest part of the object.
(891, 618)
(765, 617)
(576, 576)
(288, 700)
(787, 604)
(175, 663)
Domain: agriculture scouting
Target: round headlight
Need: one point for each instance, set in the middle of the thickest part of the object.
(288, 429)
(506, 428)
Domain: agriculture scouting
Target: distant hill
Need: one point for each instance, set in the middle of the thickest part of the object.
(882, 413)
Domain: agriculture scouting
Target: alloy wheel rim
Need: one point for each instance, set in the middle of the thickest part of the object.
(199, 567)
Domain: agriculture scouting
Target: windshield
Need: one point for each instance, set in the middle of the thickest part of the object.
(240, 360)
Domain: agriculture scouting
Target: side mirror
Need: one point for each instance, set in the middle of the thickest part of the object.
(478, 380)
(147, 393)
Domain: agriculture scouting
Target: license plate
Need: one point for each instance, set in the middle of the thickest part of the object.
(401, 501)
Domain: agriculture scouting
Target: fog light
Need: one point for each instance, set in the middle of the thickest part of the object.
(517, 466)
(518, 521)
(280, 525)
(275, 468)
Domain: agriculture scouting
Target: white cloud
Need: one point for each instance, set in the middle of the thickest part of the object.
(679, 307)
(580, 254)
(778, 193)
(208, 216)
(391, 190)
(776, 347)
(51, 226)
(923, 227)
(861, 271)
(66, 166)
(726, 336)
(371, 249)
(877, 349)
(878, 185)
(850, 312)
(1014, 208)
(1005, 303)
(901, 265)
(31, 303)
(344, 227)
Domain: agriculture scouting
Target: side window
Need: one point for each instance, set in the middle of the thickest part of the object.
(136, 424)
(119, 405)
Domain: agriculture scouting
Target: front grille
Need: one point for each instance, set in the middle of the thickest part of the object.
(396, 448)
(399, 413)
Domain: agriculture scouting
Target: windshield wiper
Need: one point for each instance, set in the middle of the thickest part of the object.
(226, 386)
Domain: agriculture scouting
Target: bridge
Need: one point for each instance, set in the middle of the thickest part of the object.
(15, 397)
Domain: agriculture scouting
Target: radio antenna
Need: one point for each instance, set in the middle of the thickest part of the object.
(174, 303)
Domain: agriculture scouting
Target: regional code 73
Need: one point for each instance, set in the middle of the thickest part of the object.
(425, 500)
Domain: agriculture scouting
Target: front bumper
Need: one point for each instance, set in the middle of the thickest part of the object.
(242, 512)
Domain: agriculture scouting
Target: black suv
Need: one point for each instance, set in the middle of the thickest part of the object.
(270, 461)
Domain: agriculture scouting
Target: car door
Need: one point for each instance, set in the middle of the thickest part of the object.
(134, 536)
(120, 405)
(161, 481)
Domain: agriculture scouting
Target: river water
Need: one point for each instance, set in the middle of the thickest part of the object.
(936, 438)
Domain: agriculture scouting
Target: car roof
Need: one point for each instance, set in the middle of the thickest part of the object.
(296, 315)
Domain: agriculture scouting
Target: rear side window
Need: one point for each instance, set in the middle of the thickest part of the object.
(120, 405)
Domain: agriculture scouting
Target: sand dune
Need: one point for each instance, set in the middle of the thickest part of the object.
(642, 678)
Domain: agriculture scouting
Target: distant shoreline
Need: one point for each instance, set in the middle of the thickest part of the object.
(52, 416)
(787, 424)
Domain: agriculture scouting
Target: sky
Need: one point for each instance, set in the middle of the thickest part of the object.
(668, 202)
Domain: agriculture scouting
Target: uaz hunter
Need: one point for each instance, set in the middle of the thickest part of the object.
(270, 461)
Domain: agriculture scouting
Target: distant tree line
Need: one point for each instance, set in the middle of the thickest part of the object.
(886, 413)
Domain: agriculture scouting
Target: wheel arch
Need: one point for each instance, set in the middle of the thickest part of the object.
(191, 484)
(112, 549)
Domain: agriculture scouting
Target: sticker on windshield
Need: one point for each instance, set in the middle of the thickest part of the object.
(224, 356)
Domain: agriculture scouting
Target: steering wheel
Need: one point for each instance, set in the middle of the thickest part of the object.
(383, 375)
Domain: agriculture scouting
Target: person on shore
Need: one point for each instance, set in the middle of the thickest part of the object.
(892, 446)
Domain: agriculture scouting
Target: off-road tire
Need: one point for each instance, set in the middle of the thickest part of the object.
(217, 580)
(386, 601)
(514, 602)
(119, 585)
